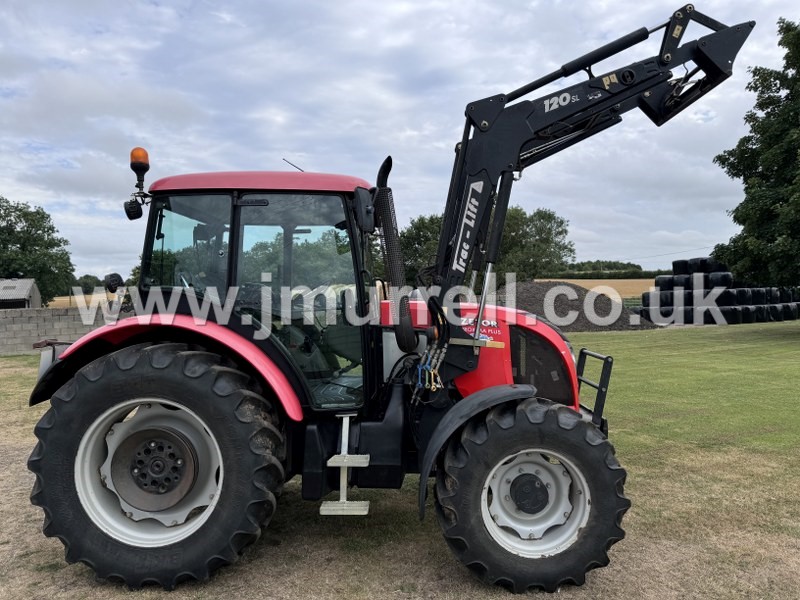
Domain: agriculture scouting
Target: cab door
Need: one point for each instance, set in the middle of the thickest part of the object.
(298, 245)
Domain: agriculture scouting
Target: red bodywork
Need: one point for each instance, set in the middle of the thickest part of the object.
(260, 180)
(126, 328)
(494, 364)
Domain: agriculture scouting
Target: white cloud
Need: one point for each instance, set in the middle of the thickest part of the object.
(336, 86)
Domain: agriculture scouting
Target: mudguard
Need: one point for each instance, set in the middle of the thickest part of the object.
(111, 337)
(456, 417)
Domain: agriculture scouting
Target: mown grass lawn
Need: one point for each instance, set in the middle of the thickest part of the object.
(704, 419)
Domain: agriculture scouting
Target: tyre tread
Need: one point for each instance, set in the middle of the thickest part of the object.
(478, 432)
(267, 443)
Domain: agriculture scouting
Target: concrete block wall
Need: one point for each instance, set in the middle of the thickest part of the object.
(20, 328)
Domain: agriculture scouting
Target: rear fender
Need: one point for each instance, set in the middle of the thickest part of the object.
(462, 412)
(109, 338)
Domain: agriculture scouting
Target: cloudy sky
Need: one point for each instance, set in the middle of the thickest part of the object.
(335, 86)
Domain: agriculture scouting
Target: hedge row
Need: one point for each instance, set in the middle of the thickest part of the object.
(631, 274)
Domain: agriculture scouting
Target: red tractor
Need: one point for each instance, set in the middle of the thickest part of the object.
(171, 433)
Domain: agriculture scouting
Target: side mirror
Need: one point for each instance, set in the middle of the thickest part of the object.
(113, 281)
(365, 210)
(133, 210)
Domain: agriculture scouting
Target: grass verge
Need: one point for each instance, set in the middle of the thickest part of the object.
(703, 418)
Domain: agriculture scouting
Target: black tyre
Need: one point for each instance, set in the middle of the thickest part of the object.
(680, 267)
(723, 279)
(748, 314)
(744, 296)
(709, 319)
(530, 495)
(666, 312)
(789, 311)
(683, 299)
(664, 283)
(688, 316)
(682, 281)
(726, 298)
(155, 464)
(699, 265)
(732, 314)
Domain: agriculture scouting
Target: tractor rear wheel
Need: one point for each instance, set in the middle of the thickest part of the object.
(530, 496)
(156, 464)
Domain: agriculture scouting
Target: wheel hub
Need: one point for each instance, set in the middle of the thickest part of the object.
(154, 469)
(534, 503)
(529, 494)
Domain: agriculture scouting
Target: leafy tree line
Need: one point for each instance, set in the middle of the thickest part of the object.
(767, 161)
(603, 265)
(534, 244)
(87, 283)
(629, 274)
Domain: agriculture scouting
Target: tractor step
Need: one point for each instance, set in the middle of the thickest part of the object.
(348, 507)
(349, 460)
(345, 461)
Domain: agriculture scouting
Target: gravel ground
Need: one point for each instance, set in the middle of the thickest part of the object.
(574, 308)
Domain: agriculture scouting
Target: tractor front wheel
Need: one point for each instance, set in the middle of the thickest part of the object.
(530, 496)
(157, 464)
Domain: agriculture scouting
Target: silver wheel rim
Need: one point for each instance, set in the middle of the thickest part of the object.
(555, 524)
(106, 505)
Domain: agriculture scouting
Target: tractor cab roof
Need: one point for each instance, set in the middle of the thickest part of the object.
(259, 180)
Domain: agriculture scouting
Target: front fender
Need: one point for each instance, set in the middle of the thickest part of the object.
(108, 338)
(456, 417)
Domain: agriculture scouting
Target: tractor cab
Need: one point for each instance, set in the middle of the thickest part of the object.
(277, 250)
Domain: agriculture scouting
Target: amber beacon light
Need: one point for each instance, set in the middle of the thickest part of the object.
(140, 164)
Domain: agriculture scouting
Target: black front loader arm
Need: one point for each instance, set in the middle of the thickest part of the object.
(501, 138)
(504, 135)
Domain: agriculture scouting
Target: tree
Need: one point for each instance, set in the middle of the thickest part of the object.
(31, 248)
(767, 160)
(133, 278)
(418, 243)
(87, 283)
(533, 244)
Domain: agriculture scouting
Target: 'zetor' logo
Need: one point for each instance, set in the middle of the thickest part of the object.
(469, 321)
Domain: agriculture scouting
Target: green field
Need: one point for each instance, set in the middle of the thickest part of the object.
(705, 420)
